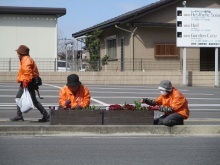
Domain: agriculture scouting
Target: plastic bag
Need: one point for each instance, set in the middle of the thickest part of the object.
(25, 102)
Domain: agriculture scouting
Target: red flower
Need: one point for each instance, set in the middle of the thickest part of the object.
(128, 107)
(115, 107)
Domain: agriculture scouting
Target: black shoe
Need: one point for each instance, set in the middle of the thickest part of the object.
(45, 119)
(17, 118)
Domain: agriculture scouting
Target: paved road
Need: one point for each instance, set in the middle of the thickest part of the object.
(204, 102)
(172, 150)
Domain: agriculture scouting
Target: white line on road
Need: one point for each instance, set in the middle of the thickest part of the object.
(97, 101)
(147, 93)
(114, 97)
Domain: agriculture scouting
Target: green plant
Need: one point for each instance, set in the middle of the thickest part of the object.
(138, 105)
(105, 59)
(92, 108)
(93, 44)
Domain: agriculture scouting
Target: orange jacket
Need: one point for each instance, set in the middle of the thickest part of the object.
(177, 101)
(82, 97)
(28, 70)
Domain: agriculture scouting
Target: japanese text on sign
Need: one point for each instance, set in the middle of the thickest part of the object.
(198, 27)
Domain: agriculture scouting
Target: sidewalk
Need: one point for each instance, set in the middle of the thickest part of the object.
(192, 127)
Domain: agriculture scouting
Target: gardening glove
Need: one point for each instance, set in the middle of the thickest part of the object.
(153, 108)
(79, 107)
(149, 101)
(165, 109)
(67, 102)
(25, 84)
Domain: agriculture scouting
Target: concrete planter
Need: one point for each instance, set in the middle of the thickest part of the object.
(76, 117)
(128, 117)
(101, 117)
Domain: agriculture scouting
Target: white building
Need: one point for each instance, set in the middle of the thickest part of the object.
(35, 27)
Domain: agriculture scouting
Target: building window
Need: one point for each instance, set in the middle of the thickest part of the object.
(166, 50)
(111, 48)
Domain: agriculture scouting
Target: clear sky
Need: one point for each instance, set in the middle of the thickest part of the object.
(81, 14)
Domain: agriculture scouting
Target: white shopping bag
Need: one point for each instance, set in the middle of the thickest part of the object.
(25, 102)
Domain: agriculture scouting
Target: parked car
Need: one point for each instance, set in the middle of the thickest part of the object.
(61, 66)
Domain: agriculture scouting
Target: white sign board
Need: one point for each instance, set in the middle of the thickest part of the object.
(198, 27)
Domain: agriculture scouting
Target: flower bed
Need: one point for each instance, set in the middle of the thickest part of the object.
(116, 114)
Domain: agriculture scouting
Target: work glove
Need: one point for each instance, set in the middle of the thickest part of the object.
(25, 84)
(165, 109)
(67, 102)
(79, 107)
(149, 101)
(153, 108)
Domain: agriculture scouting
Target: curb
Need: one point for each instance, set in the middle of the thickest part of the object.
(109, 130)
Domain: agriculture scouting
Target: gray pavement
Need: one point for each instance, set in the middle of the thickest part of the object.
(109, 130)
(203, 101)
(113, 150)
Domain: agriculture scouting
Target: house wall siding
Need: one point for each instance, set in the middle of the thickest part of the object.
(38, 32)
(146, 37)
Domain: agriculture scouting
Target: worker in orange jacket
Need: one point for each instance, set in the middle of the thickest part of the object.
(172, 102)
(27, 73)
(74, 95)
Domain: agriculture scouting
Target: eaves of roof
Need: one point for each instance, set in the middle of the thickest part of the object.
(127, 17)
(154, 24)
(59, 12)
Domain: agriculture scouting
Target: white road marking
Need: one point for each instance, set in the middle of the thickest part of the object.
(100, 103)
(97, 101)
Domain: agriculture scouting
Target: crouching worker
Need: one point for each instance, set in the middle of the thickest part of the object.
(74, 95)
(172, 102)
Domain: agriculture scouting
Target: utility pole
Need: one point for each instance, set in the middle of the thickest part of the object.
(70, 41)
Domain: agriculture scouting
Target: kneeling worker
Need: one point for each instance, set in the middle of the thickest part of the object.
(172, 102)
(74, 95)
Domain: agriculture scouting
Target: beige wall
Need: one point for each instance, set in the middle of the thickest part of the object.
(146, 37)
(124, 78)
(168, 14)
(38, 32)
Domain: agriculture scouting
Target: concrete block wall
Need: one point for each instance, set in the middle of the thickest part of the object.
(195, 78)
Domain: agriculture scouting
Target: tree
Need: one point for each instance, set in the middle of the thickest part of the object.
(92, 44)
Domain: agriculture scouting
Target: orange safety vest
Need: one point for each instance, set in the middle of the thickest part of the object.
(82, 97)
(177, 101)
(28, 70)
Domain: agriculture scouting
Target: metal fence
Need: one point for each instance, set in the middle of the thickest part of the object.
(12, 64)
(50, 64)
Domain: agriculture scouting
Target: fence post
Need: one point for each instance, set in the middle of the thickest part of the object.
(55, 64)
(9, 65)
(98, 64)
(141, 65)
